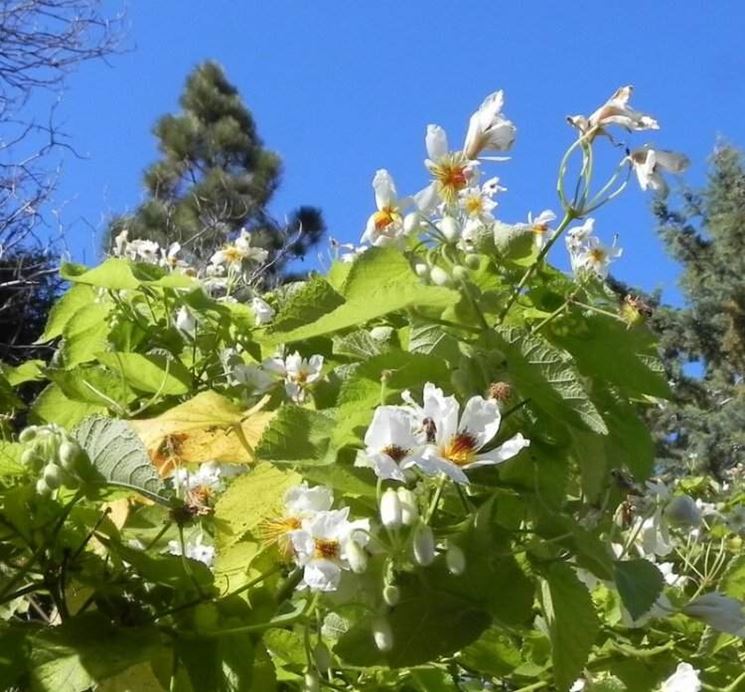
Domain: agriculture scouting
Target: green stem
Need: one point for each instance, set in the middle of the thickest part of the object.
(436, 498)
(568, 218)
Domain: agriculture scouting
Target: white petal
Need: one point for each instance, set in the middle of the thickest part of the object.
(436, 141)
(322, 575)
(505, 451)
(385, 189)
(481, 418)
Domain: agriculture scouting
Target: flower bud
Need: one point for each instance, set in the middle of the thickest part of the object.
(391, 594)
(683, 511)
(52, 475)
(70, 455)
(423, 545)
(311, 683)
(472, 261)
(456, 560)
(409, 509)
(501, 391)
(31, 460)
(390, 509)
(450, 228)
(42, 488)
(439, 276)
(382, 634)
(27, 434)
(356, 556)
(322, 657)
(412, 223)
(421, 269)
(460, 273)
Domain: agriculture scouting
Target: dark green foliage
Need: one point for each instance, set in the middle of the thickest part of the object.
(215, 177)
(704, 425)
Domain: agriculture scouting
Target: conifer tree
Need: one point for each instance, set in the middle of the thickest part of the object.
(703, 343)
(214, 178)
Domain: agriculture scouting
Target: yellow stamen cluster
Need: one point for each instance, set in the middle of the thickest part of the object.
(452, 175)
(385, 217)
(326, 549)
(460, 449)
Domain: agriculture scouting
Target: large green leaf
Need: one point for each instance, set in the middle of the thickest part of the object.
(298, 436)
(62, 311)
(380, 281)
(607, 349)
(305, 305)
(86, 334)
(84, 651)
(548, 377)
(426, 623)
(151, 373)
(117, 273)
(119, 456)
(572, 622)
(10, 458)
(639, 583)
(93, 384)
(52, 406)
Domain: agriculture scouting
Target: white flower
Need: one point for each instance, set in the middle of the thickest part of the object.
(721, 612)
(684, 679)
(477, 202)
(455, 443)
(263, 312)
(194, 550)
(321, 547)
(169, 258)
(185, 321)
(649, 163)
(540, 227)
(234, 254)
(146, 250)
(386, 225)
(651, 535)
(208, 476)
(301, 503)
(615, 111)
(390, 443)
(121, 243)
(300, 373)
(578, 685)
(488, 129)
(587, 253)
(671, 577)
(346, 252)
(452, 171)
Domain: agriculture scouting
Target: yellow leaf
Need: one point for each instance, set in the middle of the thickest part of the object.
(208, 427)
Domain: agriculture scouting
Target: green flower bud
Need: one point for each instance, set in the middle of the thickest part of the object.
(70, 455)
(52, 475)
(42, 488)
(391, 594)
(311, 683)
(27, 434)
(472, 261)
(460, 273)
(31, 460)
(439, 276)
(322, 657)
(423, 545)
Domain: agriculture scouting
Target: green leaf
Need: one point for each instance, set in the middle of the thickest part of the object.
(251, 499)
(116, 273)
(298, 436)
(639, 584)
(119, 456)
(93, 384)
(432, 339)
(62, 311)
(358, 344)
(10, 458)
(733, 580)
(151, 373)
(167, 570)
(572, 623)
(52, 406)
(379, 282)
(548, 377)
(13, 661)
(86, 334)
(427, 623)
(606, 348)
(78, 654)
(493, 653)
(305, 305)
(30, 371)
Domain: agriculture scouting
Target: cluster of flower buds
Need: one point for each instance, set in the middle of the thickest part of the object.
(55, 456)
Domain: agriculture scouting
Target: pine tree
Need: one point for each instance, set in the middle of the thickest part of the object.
(214, 178)
(703, 343)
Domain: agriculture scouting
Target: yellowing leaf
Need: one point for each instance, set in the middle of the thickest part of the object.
(208, 427)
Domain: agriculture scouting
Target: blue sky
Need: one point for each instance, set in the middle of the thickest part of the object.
(340, 89)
